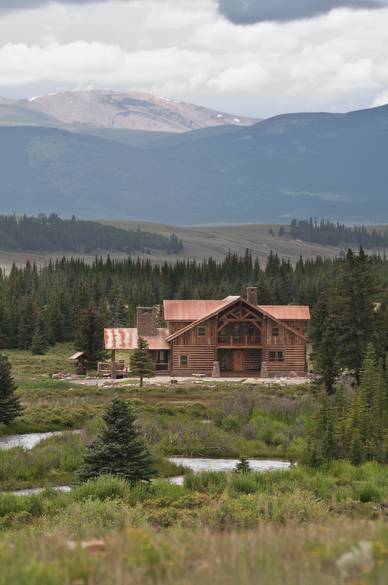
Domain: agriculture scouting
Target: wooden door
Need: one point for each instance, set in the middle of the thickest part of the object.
(238, 360)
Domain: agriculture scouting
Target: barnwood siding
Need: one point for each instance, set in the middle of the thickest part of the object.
(298, 326)
(284, 338)
(252, 360)
(202, 350)
(174, 326)
(295, 360)
(200, 359)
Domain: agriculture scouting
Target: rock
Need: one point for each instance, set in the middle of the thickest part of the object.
(94, 546)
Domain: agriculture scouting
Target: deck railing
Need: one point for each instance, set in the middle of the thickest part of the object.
(239, 340)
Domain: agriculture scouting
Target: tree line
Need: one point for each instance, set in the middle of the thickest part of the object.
(349, 334)
(327, 233)
(42, 306)
(51, 233)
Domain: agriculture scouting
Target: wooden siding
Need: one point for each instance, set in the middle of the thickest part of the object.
(278, 336)
(174, 326)
(294, 360)
(203, 350)
(200, 359)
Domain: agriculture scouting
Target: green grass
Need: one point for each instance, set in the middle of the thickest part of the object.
(290, 528)
(284, 527)
(206, 420)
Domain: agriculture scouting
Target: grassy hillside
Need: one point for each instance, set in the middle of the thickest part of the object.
(200, 242)
(215, 241)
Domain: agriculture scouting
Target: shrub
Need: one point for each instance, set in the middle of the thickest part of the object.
(213, 482)
(369, 493)
(105, 487)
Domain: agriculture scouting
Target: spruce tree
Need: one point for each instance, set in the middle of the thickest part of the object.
(353, 310)
(90, 334)
(118, 449)
(26, 324)
(243, 466)
(141, 362)
(10, 407)
(40, 339)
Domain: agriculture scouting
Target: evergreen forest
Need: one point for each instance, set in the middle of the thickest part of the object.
(327, 233)
(51, 233)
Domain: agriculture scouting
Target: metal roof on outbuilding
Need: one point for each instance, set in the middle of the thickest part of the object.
(128, 338)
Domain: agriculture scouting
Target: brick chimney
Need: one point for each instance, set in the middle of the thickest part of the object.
(146, 321)
(252, 295)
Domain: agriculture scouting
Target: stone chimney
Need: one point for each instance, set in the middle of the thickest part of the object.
(252, 295)
(146, 321)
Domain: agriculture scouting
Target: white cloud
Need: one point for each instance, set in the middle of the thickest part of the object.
(185, 50)
(248, 77)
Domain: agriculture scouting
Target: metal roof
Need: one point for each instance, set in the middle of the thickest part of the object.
(128, 338)
(194, 310)
(229, 302)
(78, 355)
(288, 312)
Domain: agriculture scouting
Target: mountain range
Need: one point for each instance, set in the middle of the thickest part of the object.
(293, 165)
(115, 110)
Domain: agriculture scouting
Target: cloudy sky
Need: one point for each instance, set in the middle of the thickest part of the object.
(255, 57)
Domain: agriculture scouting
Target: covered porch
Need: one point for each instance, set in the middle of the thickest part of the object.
(237, 362)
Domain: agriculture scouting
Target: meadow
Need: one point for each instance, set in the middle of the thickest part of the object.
(297, 526)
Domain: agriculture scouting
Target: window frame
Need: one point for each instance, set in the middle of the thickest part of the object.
(186, 358)
(200, 329)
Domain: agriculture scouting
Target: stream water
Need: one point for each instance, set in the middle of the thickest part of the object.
(197, 465)
(30, 440)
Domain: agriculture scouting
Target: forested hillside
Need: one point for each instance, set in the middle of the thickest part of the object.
(295, 165)
(51, 233)
(327, 233)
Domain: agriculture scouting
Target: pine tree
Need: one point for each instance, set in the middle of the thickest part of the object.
(40, 339)
(353, 309)
(243, 466)
(10, 407)
(90, 334)
(141, 362)
(26, 324)
(118, 449)
(5, 329)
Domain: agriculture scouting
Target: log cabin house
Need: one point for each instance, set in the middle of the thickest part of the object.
(232, 337)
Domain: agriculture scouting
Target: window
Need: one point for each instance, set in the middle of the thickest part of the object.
(272, 356)
(276, 356)
(202, 331)
(280, 356)
(275, 331)
(184, 361)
